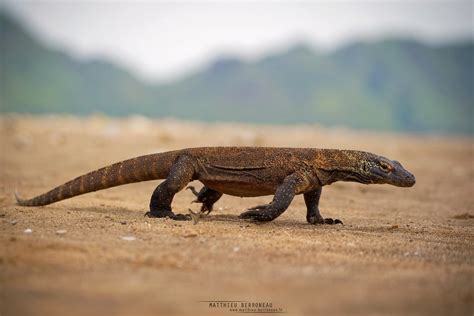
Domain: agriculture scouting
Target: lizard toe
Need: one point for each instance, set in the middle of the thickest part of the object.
(315, 220)
(206, 209)
(259, 216)
(169, 214)
(319, 220)
(193, 190)
(328, 221)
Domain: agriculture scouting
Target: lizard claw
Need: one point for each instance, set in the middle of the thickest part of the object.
(331, 221)
(193, 190)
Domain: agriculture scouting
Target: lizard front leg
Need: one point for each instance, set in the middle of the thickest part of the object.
(207, 197)
(181, 173)
(313, 216)
(311, 200)
(283, 196)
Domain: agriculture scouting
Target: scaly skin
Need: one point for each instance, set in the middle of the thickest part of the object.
(239, 171)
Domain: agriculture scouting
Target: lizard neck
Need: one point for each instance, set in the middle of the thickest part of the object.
(332, 165)
(326, 177)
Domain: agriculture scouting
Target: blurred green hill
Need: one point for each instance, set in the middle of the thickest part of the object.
(393, 84)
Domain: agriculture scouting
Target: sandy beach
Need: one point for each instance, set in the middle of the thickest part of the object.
(401, 251)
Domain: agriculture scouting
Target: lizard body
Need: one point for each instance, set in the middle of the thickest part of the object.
(238, 171)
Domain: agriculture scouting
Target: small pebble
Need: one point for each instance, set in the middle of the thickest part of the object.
(236, 249)
(123, 223)
(128, 238)
(13, 222)
(28, 231)
(61, 231)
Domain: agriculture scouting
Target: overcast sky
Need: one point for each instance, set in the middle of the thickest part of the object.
(165, 40)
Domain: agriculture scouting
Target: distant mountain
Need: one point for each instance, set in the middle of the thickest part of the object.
(36, 79)
(394, 84)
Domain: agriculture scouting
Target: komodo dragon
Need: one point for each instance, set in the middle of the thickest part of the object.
(238, 171)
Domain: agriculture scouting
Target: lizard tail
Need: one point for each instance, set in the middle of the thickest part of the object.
(144, 168)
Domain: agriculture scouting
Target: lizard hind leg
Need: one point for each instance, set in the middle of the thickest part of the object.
(207, 197)
(180, 174)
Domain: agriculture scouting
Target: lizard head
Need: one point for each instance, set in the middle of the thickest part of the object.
(378, 169)
(360, 166)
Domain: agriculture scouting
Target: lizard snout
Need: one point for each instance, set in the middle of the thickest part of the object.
(410, 180)
(407, 179)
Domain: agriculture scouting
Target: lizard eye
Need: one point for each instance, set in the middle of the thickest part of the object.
(385, 167)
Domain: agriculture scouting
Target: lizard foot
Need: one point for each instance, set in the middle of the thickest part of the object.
(260, 215)
(207, 205)
(328, 221)
(169, 214)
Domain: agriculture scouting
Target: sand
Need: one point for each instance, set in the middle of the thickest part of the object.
(401, 251)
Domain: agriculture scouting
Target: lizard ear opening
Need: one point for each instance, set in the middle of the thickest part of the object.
(365, 167)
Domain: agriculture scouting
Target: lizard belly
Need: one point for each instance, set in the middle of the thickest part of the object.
(240, 188)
